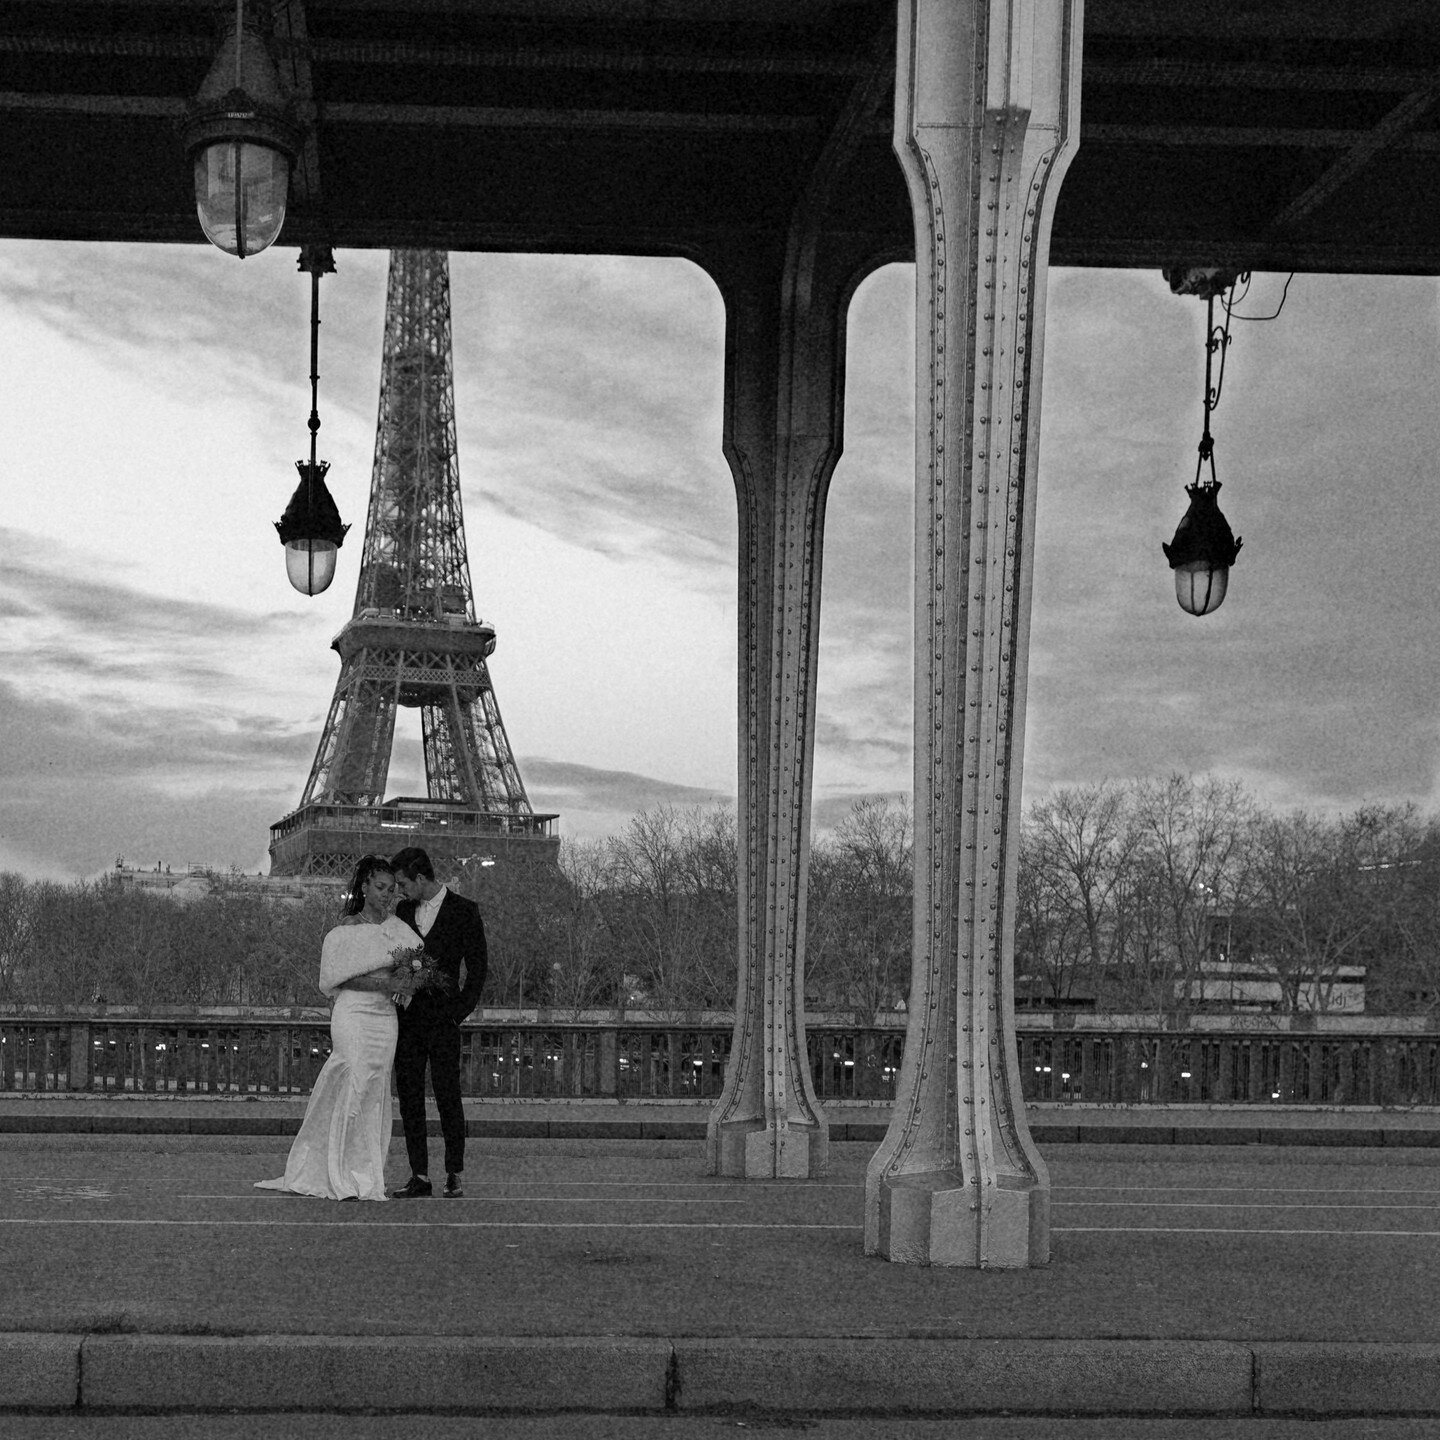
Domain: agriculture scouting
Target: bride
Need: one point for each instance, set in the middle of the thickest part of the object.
(340, 1151)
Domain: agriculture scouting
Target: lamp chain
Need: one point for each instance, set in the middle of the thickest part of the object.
(239, 39)
(1217, 341)
(314, 421)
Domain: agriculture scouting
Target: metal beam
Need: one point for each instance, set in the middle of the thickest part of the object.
(1390, 133)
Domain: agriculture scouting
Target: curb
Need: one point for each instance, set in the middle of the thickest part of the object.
(471, 1375)
(865, 1131)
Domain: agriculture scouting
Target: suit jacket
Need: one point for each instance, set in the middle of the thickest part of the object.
(457, 935)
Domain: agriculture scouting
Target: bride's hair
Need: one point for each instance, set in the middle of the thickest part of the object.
(355, 895)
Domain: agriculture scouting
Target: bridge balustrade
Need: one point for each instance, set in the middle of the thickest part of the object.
(680, 1059)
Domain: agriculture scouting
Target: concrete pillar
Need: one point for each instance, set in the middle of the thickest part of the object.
(986, 118)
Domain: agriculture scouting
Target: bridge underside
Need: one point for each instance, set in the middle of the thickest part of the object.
(1298, 134)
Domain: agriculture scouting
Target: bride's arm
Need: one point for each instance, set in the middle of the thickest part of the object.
(386, 982)
(390, 981)
(343, 966)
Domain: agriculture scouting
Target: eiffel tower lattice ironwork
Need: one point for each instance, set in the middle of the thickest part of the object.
(413, 638)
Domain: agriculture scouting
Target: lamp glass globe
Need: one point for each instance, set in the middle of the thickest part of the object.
(241, 191)
(310, 564)
(1200, 586)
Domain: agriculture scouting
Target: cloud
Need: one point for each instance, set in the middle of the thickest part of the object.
(179, 747)
(830, 813)
(183, 312)
(84, 783)
(573, 790)
(121, 653)
(78, 831)
(62, 590)
(592, 406)
(130, 717)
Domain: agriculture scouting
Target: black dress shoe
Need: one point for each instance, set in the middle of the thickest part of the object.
(452, 1190)
(415, 1189)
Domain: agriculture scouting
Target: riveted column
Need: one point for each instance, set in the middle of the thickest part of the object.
(783, 406)
(986, 118)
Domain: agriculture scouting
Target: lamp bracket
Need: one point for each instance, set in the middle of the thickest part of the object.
(316, 260)
(1204, 281)
(238, 116)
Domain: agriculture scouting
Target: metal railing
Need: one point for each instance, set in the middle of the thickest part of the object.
(1113, 1060)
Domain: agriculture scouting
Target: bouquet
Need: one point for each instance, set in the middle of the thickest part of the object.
(426, 970)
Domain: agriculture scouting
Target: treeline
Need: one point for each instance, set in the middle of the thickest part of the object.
(644, 919)
(101, 942)
(1129, 896)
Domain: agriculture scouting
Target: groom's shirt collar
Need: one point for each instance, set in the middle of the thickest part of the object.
(426, 910)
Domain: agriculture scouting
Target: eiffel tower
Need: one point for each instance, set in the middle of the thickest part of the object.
(413, 638)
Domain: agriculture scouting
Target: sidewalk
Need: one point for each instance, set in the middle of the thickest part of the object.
(61, 1113)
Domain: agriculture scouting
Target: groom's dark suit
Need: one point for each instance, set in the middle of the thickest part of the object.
(430, 1030)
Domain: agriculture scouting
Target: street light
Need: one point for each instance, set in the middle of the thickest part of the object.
(310, 529)
(1202, 550)
(1204, 547)
(241, 136)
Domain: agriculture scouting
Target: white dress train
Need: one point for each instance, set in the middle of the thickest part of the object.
(340, 1151)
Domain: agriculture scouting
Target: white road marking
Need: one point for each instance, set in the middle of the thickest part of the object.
(63, 1194)
(1240, 1190)
(1227, 1205)
(670, 1184)
(1224, 1230)
(452, 1224)
(502, 1199)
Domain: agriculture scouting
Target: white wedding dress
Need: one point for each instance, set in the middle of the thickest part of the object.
(340, 1151)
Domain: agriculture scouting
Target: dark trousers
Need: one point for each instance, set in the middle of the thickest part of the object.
(436, 1044)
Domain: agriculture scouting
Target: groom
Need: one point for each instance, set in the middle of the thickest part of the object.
(430, 1025)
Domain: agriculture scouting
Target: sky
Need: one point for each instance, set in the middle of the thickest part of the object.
(162, 688)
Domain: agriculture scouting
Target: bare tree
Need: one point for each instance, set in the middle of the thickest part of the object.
(1079, 845)
(671, 904)
(1318, 895)
(1192, 853)
(1400, 879)
(1049, 940)
(860, 910)
(584, 973)
(17, 930)
(710, 867)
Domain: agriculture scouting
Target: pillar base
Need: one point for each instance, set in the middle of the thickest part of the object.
(751, 1150)
(936, 1218)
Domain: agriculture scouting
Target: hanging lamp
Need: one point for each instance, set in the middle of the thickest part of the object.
(242, 138)
(311, 529)
(1204, 547)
